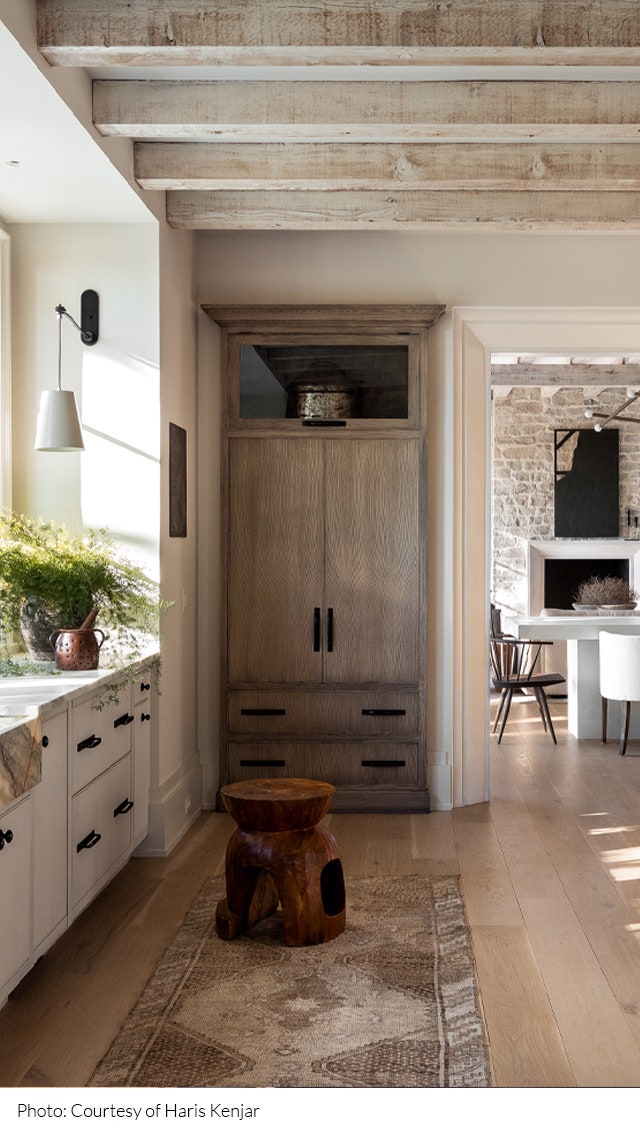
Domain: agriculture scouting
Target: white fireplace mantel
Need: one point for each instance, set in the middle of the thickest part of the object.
(569, 549)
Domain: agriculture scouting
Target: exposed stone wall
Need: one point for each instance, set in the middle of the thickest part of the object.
(522, 477)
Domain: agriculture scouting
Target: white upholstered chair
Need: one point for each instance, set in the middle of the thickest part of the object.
(619, 678)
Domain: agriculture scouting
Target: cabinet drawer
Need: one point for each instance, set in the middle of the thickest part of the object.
(343, 764)
(350, 713)
(98, 738)
(142, 686)
(100, 827)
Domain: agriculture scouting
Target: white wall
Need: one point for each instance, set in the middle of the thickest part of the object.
(115, 381)
(457, 270)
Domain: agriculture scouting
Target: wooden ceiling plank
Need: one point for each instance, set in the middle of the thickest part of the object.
(404, 209)
(362, 111)
(566, 375)
(379, 166)
(132, 32)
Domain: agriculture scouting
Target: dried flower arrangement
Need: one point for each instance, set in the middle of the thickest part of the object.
(598, 591)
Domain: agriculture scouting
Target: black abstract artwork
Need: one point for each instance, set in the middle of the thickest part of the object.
(586, 483)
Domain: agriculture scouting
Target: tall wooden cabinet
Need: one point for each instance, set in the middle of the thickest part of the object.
(324, 474)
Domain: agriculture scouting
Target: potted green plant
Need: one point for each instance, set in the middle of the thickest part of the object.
(51, 579)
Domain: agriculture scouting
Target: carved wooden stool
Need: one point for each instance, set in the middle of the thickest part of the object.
(279, 854)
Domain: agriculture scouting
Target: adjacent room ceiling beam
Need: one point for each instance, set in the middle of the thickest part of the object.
(379, 111)
(599, 376)
(386, 166)
(402, 209)
(274, 32)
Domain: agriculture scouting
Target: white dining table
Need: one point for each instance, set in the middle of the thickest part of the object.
(584, 706)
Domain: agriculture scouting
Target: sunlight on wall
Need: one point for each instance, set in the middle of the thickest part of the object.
(120, 414)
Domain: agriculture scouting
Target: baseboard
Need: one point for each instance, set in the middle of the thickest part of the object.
(172, 810)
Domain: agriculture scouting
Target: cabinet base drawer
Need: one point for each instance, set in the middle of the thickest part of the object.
(343, 764)
(307, 713)
(100, 828)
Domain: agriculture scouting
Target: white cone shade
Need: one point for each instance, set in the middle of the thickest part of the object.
(58, 425)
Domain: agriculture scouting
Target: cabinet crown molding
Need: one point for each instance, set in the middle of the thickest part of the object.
(385, 317)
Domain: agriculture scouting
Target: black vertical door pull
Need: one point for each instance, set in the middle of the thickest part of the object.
(329, 630)
(316, 630)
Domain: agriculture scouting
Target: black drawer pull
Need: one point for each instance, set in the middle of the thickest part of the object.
(316, 630)
(6, 836)
(45, 740)
(145, 687)
(89, 743)
(383, 763)
(383, 711)
(144, 715)
(262, 711)
(125, 806)
(324, 422)
(262, 762)
(123, 720)
(329, 630)
(91, 839)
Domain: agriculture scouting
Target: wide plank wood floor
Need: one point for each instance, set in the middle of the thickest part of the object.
(551, 877)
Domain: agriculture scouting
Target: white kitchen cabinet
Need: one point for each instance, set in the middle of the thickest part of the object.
(100, 833)
(64, 840)
(141, 773)
(50, 802)
(16, 823)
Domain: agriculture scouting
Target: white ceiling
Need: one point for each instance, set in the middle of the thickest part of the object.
(51, 170)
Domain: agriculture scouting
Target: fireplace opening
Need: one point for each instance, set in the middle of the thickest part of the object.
(563, 577)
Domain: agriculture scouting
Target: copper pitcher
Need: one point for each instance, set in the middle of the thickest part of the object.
(77, 649)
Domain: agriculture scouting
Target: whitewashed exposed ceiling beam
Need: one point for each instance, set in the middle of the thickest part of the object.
(258, 110)
(257, 32)
(385, 166)
(454, 211)
(566, 375)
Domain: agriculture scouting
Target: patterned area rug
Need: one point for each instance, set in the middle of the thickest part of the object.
(391, 1002)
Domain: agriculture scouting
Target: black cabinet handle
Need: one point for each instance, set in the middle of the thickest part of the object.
(329, 630)
(125, 806)
(383, 711)
(323, 422)
(45, 740)
(145, 687)
(144, 715)
(262, 762)
(262, 711)
(123, 720)
(316, 630)
(6, 837)
(383, 763)
(87, 843)
(89, 743)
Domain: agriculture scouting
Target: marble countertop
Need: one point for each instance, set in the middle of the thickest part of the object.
(23, 701)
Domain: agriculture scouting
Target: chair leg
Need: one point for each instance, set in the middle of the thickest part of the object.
(503, 696)
(625, 715)
(604, 720)
(505, 716)
(543, 698)
(538, 694)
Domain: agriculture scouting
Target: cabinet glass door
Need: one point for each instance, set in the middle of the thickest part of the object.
(330, 383)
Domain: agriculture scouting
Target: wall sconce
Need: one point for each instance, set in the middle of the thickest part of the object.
(632, 395)
(58, 426)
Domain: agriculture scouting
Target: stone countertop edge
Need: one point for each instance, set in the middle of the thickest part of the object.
(20, 749)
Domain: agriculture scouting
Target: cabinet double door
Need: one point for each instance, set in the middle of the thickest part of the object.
(325, 567)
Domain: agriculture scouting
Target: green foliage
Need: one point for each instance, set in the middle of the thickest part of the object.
(69, 574)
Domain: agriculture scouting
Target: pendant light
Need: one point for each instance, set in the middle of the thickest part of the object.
(58, 426)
